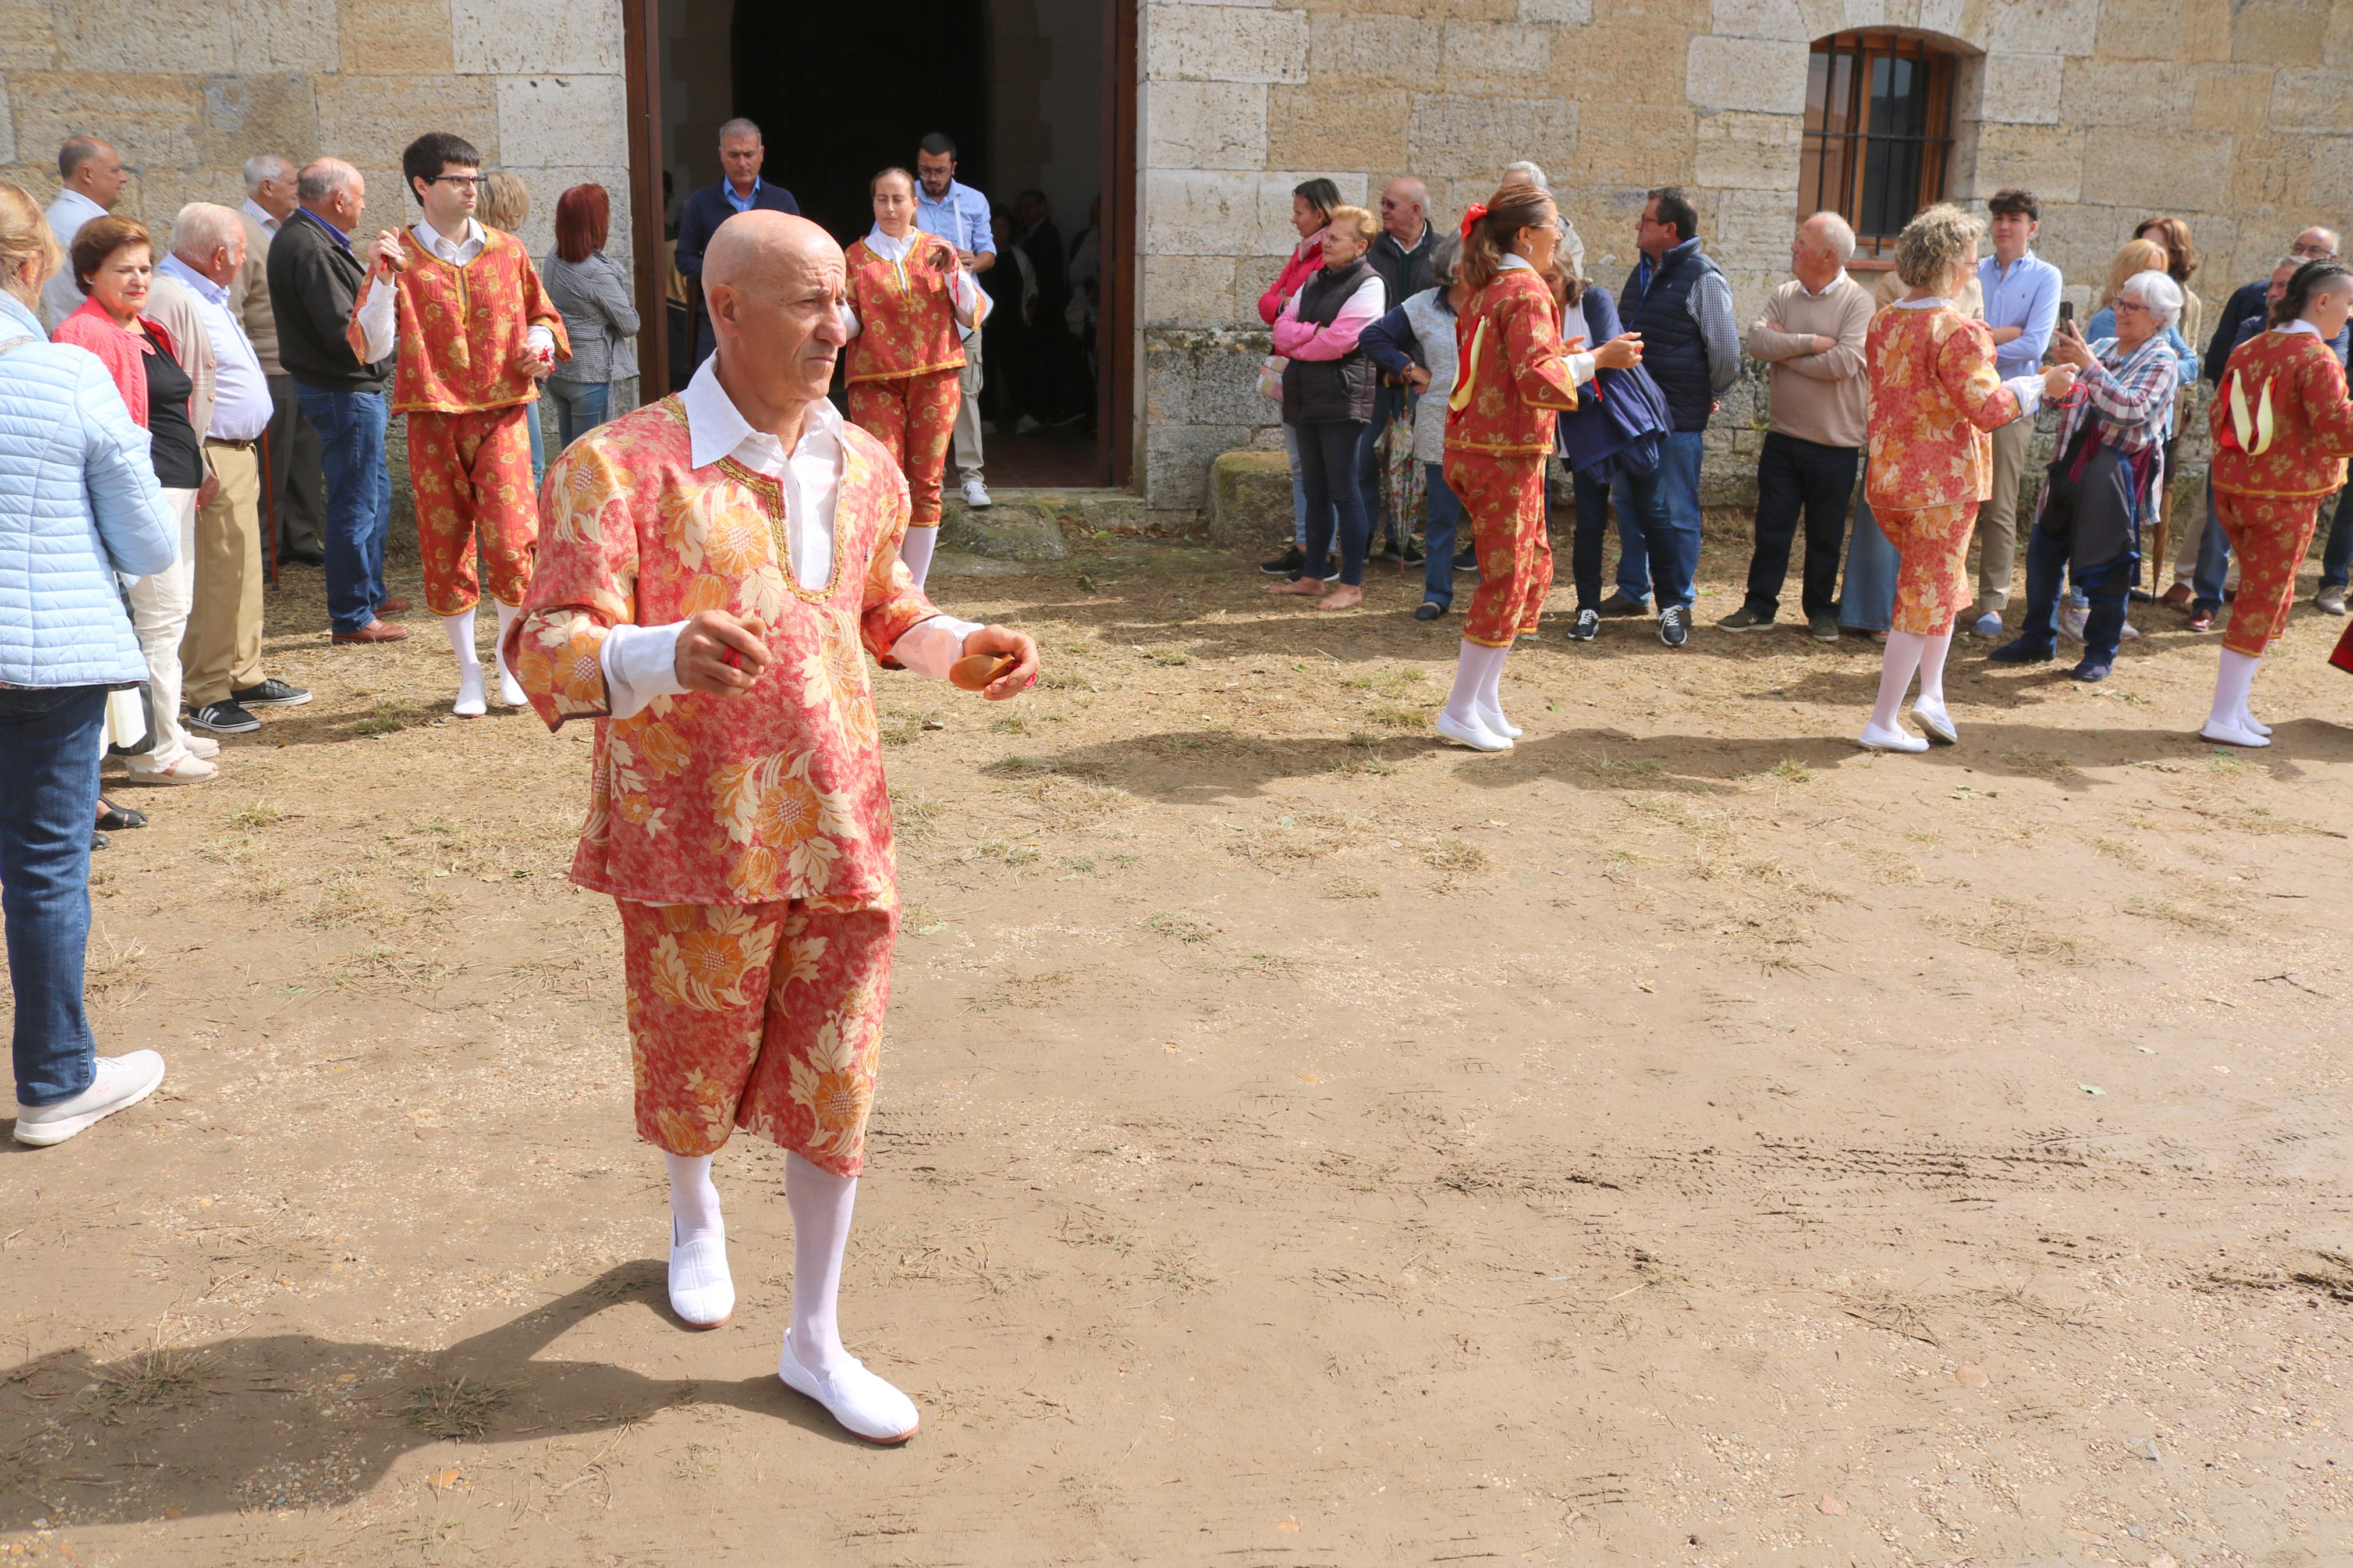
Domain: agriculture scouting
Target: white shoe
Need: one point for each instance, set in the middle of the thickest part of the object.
(203, 747)
(122, 1082)
(509, 688)
(702, 1292)
(976, 496)
(187, 770)
(1475, 735)
(2127, 632)
(1876, 739)
(2248, 721)
(854, 1396)
(1493, 719)
(2231, 734)
(1933, 718)
(2071, 621)
(470, 703)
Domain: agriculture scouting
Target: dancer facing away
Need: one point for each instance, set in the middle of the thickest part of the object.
(477, 335)
(1515, 374)
(1935, 400)
(908, 295)
(712, 563)
(2283, 430)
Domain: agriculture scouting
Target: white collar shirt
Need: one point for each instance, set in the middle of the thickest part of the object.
(1823, 293)
(456, 252)
(259, 215)
(241, 406)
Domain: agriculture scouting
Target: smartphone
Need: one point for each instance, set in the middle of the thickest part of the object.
(2067, 311)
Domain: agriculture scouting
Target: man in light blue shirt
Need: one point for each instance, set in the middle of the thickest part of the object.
(959, 214)
(2022, 306)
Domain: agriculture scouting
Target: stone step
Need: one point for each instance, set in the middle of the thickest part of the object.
(1027, 524)
(1249, 496)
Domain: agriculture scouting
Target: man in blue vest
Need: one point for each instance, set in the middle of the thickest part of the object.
(1678, 300)
(741, 152)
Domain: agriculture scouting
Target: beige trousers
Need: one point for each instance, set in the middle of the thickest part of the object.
(222, 650)
(1998, 519)
(967, 419)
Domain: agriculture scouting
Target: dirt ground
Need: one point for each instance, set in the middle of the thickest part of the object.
(1684, 1140)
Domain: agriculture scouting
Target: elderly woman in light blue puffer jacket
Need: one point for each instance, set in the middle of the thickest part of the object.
(79, 504)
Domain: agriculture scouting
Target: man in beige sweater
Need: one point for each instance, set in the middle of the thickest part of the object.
(1811, 333)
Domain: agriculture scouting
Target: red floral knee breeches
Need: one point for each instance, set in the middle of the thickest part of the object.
(470, 476)
(2270, 535)
(1932, 583)
(1504, 495)
(913, 416)
(766, 1017)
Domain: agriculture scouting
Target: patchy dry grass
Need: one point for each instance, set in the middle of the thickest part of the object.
(455, 1408)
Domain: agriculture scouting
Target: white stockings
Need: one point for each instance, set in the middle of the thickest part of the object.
(1473, 715)
(1906, 656)
(460, 627)
(916, 550)
(509, 688)
(2231, 721)
(702, 1292)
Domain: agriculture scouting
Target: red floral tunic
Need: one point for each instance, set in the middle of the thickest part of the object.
(699, 799)
(906, 310)
(1513, 379)
(2310, 422)
(1935, 399)
(461, 327)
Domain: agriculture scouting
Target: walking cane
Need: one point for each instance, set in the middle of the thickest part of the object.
(270, 505)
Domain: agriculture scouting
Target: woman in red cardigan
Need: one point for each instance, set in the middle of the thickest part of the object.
(112, 262)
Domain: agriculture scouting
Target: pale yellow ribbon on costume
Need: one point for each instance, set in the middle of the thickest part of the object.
(2254, 434)
(1461, 398)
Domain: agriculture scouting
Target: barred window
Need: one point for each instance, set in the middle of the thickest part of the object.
(1879, 132)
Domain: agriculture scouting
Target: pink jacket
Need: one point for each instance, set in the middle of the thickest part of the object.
(1305, 340)
(91, 328)
(1303, 264)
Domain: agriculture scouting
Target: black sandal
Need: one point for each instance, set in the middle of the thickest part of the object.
(114, 818)
(98, 841)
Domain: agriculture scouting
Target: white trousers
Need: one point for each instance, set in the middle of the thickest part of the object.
(159, 614)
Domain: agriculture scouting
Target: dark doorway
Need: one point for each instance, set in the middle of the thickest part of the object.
(844, 90)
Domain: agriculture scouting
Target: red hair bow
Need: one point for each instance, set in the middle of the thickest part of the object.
(1478, 210)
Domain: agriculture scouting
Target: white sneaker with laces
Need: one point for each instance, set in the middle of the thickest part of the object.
(864, 1403)
(119, 1083)
(976, 495)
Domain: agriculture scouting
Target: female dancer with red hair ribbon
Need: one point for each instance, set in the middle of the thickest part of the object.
(1516, 375)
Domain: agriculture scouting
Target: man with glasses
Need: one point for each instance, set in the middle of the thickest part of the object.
(953, 211)
(477, 334)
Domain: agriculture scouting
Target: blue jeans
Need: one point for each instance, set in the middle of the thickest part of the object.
(1327, 463)
(49, 776)
(2336, 555)
(531, 413)
(2213, 570)
(1438, 538)
(1867, 598)
(359, 499)
(1663, 507)
(2105, 590)
(1298, 488)
(579, 407)
(1587, 537)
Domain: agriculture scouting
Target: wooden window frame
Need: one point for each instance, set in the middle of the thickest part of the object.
(1839, 139)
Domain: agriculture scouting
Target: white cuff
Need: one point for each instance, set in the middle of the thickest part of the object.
(1581, 367)
(539, 340)
(971, 304)
(2027, 390)
(850, 325)
(640, 663)
(929, 648)
(376, 319)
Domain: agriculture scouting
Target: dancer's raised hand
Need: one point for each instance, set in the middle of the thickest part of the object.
(722, 654)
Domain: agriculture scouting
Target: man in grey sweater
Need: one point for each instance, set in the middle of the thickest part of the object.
(1812, 334)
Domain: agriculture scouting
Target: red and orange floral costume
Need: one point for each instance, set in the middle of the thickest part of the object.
(1935, 401)
(905, 362)
(458, 331)
(1499, 430)
(2283, 429)
(747, 838)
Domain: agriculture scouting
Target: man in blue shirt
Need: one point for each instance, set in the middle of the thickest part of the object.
(959, 214)
(741, 152)
(2022, 306)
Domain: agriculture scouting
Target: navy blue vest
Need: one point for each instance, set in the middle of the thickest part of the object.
(1672, 349)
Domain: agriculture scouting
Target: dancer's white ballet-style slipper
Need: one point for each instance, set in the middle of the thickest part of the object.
(2230, 735)
(1475, 734)
(1492, 718)
(861, 1402)
(1933, 718)
(702, 1292)
(1876, 739)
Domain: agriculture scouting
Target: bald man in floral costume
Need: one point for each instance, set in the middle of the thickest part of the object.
(709, 566)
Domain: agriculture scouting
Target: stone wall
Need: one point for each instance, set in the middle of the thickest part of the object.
(2235, 114)
(188, 89)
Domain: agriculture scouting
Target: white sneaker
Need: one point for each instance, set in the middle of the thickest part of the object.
(1876, 739)
(1475, 734)
(976, 496)
(187, 770)
(470, 703)
(121, 1083)
(854, 1396)
(702, 1292)
(2071, 621)
(202, 747)
(1492, 718)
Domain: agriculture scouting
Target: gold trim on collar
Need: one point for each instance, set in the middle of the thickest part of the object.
(771, 496)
